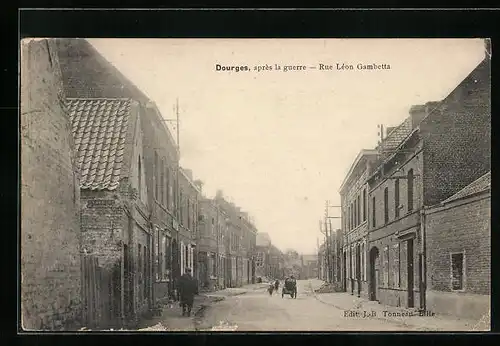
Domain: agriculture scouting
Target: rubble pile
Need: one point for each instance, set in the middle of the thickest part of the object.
(156, 328)
(326, 288)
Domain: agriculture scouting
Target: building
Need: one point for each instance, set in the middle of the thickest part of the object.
(457, 235)
(437, 151)
(263, 242)
(142, 189)
(160, 164)
(309, 267)
(50, 196)
(249, 234)
(189, 195)
(354, 207)
(209, 231)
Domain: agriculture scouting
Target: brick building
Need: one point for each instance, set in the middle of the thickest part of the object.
(309, 267)
(161, 160)
(50, 196)
(210, 227)
(189, 195)
(238, 235)
(438, 150)
(114, 212)
(458, 248)
(150, 270)
(354, 207)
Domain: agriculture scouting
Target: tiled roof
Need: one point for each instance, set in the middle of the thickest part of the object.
(99, 131)
(397, 135)
(479, 185)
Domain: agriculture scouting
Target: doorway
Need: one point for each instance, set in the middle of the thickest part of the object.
(409, 262)
(374, 264)
(344, 273)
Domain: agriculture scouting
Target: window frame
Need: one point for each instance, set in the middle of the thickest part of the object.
(397, 198)
(386, 205)
(374, 212)
(464, 278)
(410, 187)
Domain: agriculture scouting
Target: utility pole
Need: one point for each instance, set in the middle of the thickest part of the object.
(178, 250)
(328, 238)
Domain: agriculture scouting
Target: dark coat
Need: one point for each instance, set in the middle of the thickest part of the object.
(188, 287)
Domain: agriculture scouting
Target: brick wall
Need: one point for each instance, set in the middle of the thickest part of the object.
(457, 137)
(50, 232)
(104, 225)
(464, 227)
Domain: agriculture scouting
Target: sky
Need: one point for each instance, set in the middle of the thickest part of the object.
(279, 144)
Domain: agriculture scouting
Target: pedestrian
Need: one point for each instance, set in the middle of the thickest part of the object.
(270, 289)
(188, 287)
(276, 285)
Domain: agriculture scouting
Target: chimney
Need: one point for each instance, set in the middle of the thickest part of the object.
(199, 184)
(388, 130)
(219, 194)
(419, 112)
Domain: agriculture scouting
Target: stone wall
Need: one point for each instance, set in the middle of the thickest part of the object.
(50, 232)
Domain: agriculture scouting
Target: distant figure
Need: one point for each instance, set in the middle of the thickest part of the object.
(276, 285)
(188, 287)
(270, 289)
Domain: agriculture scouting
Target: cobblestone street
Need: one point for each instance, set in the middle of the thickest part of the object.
(255, 310)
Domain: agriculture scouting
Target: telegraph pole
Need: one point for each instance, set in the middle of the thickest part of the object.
(328, 236)
(177, 188)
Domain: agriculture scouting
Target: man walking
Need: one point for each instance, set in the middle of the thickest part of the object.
(187, 290)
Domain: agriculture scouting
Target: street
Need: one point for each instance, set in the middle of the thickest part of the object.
(258, 311)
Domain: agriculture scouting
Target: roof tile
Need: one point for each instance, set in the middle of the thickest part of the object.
(479, 185)
(99, 128)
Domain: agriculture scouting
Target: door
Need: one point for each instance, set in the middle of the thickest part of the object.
(374, 274)
(358, 268)
(410, 273)
(344, 274)
(128, 280)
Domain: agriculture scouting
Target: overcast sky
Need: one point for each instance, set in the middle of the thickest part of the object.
(280, 143)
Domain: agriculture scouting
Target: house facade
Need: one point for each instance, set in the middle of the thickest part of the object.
(457, 234)
(50, 232)
(208, 247)
(433, 154)
(189, 195)
(354, 207)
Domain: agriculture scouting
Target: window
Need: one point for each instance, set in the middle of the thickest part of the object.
(157, 254)
(214, 265)
(168, 257)
(396, 198)
(156, 175)
(364, 261)
(181, 219)
(386, 266)
(188, 203)
(359, 209)
(162, 181)
(374, 221)
(139, 178)
(410, 190)
(364, 205)
(457, 271)
(386, 205)
(145, 272)
(349, 217)
(168, 188)
(397, 267)
(139, 262)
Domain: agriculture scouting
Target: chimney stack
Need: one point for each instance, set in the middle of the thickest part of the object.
(419, 112)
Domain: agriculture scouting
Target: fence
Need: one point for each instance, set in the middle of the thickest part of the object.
(100, 294)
